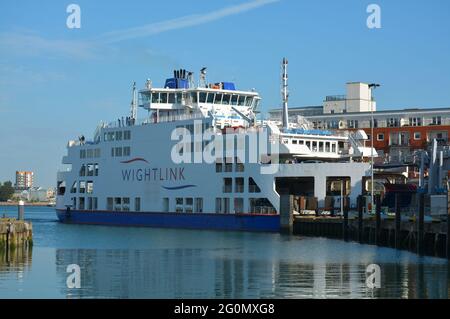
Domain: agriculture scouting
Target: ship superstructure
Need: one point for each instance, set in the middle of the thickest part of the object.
(182, 165)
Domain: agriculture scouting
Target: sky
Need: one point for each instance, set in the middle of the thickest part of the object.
(57, 83)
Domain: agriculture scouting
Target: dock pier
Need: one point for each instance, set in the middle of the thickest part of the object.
(414, 233)
(15, 232)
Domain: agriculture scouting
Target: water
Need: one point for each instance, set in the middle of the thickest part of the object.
(166, 263)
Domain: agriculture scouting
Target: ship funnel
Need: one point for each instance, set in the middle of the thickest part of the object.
(285, 93)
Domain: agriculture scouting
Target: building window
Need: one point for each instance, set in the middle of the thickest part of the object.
(415, 121)
(380, 137)
(199, 205)
(437, 120)
(392, 122)
(352, 123)
(417, 136)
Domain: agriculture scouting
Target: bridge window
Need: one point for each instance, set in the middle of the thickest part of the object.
(118, 135)
(163, 97)
(210, 98)
(155, 97)
(171, 98)
(226, 99)
(249, 101)
(218, 99)
(194, 97)
(202, 97)
(234, 100)
(241, 101)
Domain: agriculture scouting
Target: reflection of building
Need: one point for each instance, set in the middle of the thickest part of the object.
(396, 132)
(24, 180)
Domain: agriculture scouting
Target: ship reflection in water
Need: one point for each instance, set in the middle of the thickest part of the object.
(15, 260)
(228, 273)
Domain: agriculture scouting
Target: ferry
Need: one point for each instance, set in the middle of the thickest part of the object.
(202, 158)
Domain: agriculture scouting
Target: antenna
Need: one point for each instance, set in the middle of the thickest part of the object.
(203, 78)
(285, 93)
(134, 103)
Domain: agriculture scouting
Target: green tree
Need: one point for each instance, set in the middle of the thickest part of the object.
(6, 191)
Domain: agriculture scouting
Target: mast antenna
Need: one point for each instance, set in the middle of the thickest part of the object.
(203, 83)
(133, 110)
(285, 93)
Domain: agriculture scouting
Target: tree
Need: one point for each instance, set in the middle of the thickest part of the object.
(6, 191)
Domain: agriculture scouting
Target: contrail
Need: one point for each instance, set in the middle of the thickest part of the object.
(183, 22)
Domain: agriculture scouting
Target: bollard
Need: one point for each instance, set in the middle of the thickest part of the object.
(21, 210)
(397, 222)
(420, 226)
(378, 220)
(360, 219)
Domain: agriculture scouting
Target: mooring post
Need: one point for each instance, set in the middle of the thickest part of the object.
(420, 225)
(397, 222)
(21, 210)
(345, 224)
(448, 227)
(286, 213)
(360, 219)
(377, 220)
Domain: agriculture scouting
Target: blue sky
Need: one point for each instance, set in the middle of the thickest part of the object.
(57, 83)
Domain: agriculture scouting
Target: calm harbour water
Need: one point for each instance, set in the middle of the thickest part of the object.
(119, 262)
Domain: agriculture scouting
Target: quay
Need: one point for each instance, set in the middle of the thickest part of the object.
(422, 235)
(16, 232)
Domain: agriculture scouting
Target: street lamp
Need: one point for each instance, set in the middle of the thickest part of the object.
(372, 87)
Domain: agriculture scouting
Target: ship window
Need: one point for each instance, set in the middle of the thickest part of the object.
(199, 205)
(90, 187)
(155, 97)
(81, 203)
(227, 185)
(238, 205)
(95, 203)
(179, 205)
(166, 205)
(333, 148)
(202, 97)
(118, 135)
(82, 153)
(301, 142)
(163, 97)
(194, 97)
(218, 99)
(137, 204)
(210, 98)
(127, 135)
(61, 188)
(256, 103)
(327, 147)
(171, 98)
(109, 203)
(117, 203)
(252, 186)
(189, 204)
(241, 100)
(239, 165)
(219, 167)
(249, 101)
(126, 204)
(82, 188)
(239, 185)
(118, 152)
(73, 189)
(320, 146)
(294, 142)
(90, 170)
(90, 153)
(95, 169)
(234, 99)
(89, 206)
(308, 144)
(83, 170)
(218, 205)
(226, 205)
(74, 202)
(178, 98)
(226, 99)
(126, 151)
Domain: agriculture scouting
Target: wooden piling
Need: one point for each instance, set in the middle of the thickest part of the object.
(360, 219)
(420, 225)
(377, 220)
(14, 233)
(398, 231)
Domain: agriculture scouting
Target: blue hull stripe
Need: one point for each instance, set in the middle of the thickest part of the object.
(244, 222)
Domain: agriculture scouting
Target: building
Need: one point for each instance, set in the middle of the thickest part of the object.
(24, 180)
(397, 133)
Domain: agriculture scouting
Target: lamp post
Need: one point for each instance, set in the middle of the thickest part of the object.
(372, 86)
